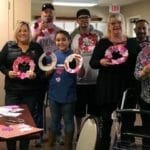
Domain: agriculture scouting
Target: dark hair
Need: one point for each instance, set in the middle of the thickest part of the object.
(83, 12)
(141, 20)
(63, 32)
(47, 6)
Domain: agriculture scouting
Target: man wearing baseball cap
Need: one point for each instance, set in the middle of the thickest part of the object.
(84, 39)
(83, 13)
(43, 31)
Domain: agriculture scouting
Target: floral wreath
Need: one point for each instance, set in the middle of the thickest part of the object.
(79, 61)
(144, 44)
(145, 53)
(87, 42)
(117, 54)
(50, 66)
(23, 60)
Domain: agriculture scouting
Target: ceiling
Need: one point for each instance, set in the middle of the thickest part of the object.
(100, 2)
(119, 2)
(36, 6)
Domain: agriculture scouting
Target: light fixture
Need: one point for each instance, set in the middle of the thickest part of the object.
(76, 3)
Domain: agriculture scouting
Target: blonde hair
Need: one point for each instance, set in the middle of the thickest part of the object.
(18, 27)
(117, 16)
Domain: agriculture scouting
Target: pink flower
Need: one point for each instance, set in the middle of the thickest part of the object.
(87, 42)
(117, 54)
(20, 60)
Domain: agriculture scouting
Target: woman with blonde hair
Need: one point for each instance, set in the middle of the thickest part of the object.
(19, 64)
(115, 57)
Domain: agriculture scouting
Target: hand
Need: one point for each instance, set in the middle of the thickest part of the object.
(146, 69)
(105, 62)
(42, 26)
(12, 74)
(145, 72)
(65, 66)
(77, 51)
(31, 74)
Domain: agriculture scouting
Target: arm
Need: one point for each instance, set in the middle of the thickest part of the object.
(145, 72)
(38, 73)
(3, 56)
(141, 72)
(36, 30)
(97, 60)
(4, 68)
(81, 72)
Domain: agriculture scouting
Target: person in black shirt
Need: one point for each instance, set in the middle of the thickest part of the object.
(115, 72)
(22, 85)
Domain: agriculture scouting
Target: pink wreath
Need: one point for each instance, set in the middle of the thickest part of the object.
(79, 61)
(117, 54)
(23, 60)
(87, 42)
(145, 53)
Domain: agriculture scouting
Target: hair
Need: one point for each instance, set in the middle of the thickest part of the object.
(18, 27)
(64, 33)
(141, 20)
(47, 6)
(83, 12)
(118, 16)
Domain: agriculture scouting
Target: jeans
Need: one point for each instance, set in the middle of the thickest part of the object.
(59, 111)
(23, 145)
(14, 98)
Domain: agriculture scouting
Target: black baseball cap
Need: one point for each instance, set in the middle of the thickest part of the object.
(83, 12)
(47, 6)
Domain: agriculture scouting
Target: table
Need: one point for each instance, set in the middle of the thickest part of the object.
(26, 118)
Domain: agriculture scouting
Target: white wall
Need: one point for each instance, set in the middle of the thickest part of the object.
(4, 21)
(4, 25)
(10, 12)
(140, 9)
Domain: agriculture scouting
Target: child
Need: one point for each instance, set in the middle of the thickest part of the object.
(62, 91)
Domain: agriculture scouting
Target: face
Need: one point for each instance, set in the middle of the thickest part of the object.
(23, 34)
(83, 21)
(141, 30)
(62, 42)
(115, 26)
(47, 15)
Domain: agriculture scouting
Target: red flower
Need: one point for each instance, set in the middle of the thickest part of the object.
(50, 30)
(87, 42)
(117, 54)
(23, 60)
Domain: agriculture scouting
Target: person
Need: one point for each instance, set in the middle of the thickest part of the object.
(43, 32)
(43, 29)
(115, 57)
(133, 95)
(142, 73)
(142, 30)
(22, 85)
(62, 92)
(86, 85)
